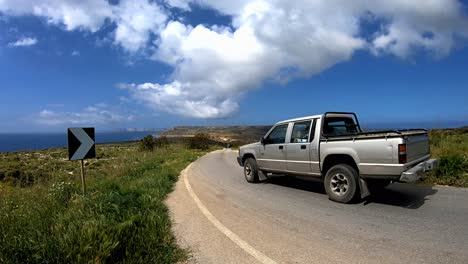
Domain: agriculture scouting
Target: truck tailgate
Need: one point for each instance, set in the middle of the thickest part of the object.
(417, 145)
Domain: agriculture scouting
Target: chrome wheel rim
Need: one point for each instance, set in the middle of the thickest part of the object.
(248, 170)
(339, 184)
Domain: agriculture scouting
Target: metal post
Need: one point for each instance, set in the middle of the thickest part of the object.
(83, 183)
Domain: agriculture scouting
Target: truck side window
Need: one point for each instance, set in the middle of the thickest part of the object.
(277, 135)
(300, 133)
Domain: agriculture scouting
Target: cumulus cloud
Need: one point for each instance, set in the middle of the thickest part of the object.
(267, 40)
(431, 25)
(23, 42)
(97, 114)
(73, 14)
(134, 20)
(280, 40)
(176, 98)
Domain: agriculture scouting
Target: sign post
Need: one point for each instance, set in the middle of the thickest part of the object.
(83, 182)
(81, 145)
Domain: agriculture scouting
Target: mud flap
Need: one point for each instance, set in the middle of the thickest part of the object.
(363, 188)
(262, 176)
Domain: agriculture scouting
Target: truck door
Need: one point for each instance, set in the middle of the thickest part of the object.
(298, 149)
(273, 153)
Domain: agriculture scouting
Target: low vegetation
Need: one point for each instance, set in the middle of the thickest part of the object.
(149, 143)
(450, 147)
(45, 219)
(199, 141)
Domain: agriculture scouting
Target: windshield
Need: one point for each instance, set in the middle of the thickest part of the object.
(335, 126)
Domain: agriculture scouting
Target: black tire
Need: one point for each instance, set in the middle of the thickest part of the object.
(344, 187)
(377, 185)
(251, 170)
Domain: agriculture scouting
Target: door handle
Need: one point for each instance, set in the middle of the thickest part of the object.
(280, 147)
(303, 146)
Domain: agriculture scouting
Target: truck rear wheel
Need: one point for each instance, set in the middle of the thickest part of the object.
(251, 170)
(341, 183)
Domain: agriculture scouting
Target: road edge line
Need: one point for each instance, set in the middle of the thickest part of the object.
(222, 228)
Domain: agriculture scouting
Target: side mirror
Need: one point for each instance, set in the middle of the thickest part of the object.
(262, 140)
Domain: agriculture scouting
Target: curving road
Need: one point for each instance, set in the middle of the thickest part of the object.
(221, 218)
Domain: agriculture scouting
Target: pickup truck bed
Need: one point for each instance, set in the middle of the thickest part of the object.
(378, 134)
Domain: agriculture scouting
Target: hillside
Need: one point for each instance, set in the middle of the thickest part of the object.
(239, 134)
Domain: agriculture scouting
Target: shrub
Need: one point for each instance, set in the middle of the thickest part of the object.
(147, 143)
(452, 166)
(161, 141)
(199, 141)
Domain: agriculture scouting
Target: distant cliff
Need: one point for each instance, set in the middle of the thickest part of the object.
(136, 129)
(220, 133)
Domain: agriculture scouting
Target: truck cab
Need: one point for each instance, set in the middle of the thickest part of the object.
(333, 148)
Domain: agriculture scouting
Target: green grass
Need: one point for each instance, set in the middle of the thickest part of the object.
(450, 147)
(45, 219)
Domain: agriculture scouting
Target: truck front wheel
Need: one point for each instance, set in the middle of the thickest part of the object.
(251, 170)
(341, 183)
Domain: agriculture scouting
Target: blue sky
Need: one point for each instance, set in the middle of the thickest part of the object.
(56, 72)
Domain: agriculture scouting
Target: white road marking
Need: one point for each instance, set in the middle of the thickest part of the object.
(262, 258)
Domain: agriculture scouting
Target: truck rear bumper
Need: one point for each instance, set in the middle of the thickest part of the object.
(414, 174)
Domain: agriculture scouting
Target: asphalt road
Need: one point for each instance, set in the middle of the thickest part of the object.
(290, 220)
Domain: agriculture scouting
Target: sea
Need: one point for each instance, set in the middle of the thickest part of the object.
(10, 142)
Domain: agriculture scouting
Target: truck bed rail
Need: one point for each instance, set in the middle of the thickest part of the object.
(376, 134)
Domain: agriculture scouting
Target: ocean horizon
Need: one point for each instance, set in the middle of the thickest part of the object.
(11, 142)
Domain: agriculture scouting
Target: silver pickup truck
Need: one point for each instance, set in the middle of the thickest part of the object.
(333, 148)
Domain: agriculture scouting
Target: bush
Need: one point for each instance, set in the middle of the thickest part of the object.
(199, 141)
(161, 141)
(452, 166)
(450, 147)
(147, 143)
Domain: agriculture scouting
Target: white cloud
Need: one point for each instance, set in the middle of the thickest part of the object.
(268, 40)
(75, 53)
(175, 98)
(280, 40)
(23, 42)
(97, 114)
(73, 14)
(432, 25)
(136, 20)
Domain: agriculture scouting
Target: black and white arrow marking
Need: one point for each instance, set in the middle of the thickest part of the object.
(85, 147)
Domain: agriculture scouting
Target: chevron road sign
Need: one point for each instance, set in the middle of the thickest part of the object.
(81, 143)
(81, 146)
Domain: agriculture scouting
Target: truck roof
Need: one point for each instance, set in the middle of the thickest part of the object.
(337, 114)
(298, 119)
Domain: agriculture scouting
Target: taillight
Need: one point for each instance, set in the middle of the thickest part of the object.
(401, 153)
